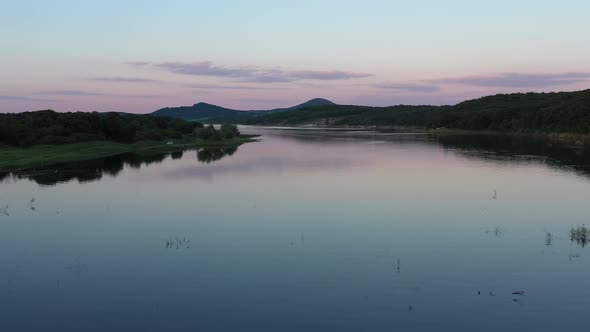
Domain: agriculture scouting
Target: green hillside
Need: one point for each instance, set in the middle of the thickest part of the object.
(563, 112)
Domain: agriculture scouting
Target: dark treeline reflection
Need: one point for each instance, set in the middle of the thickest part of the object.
(207, 155)
(93, 170)
(505, 148)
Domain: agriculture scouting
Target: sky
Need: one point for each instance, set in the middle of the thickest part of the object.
(142, 55)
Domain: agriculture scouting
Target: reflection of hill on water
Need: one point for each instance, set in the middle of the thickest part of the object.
(518, 149)
(93, 170)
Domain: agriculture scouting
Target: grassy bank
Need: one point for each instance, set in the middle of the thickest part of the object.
(19, 159)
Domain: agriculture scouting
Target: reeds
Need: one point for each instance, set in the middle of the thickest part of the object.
(548, 239)
(177, 243)
(4, 211)
(580, 235)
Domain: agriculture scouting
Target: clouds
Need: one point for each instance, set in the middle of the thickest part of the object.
(26, 99)
(517, 80)
(204, 68)
(85, 93)
(116, 79)
(249, 74)
(328, 75)
(492, 82)
(231, 87)
(408, 87)
(72, 93)
(138, 63)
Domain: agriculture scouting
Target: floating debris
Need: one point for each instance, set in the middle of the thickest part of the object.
(492, 294)
(410, 308)
(521, 292)
(495, 196)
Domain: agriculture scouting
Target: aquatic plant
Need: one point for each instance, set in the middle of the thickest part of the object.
(4, 211)
(580, 235)
(548, 238)
(496, 231)
(572, 256)
(177, 243)
(32, 203)
(77, 268)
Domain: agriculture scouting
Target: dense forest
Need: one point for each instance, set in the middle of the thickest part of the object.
(564, 112)
(49, 127)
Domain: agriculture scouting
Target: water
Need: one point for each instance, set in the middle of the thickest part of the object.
(306, 230)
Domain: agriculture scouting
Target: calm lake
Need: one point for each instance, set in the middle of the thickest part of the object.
(305, 230)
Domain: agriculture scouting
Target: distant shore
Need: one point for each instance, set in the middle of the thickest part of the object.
(566, 138)
(562, 138)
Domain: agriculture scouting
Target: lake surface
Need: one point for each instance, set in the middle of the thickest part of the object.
(305, 230)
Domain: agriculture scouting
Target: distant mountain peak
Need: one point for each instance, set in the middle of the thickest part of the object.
(317, 102)
(320, 100)
(204, 104)
(310, 103)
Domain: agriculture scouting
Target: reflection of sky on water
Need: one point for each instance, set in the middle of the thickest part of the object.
(294, 234)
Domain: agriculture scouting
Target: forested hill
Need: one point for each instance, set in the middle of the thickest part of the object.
(562, 112)
(201, 111)
(216, 114)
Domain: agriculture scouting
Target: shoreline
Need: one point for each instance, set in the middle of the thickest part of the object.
(563, 138)
(578, 140)
(15, 160)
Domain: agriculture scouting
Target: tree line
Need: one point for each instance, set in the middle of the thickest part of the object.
(563, 112)
(49, 127)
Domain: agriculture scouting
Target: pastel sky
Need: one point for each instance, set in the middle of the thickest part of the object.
(141, 55)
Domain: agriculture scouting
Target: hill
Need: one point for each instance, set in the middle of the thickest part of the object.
(200, 111)
(310, 103)
(212, 113)
(561, 112)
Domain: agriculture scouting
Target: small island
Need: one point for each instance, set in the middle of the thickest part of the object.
(44, 138)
